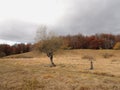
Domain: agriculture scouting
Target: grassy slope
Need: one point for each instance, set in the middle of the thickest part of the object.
(18, 72)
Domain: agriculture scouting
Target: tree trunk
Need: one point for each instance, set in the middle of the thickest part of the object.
(91, 64)
(51, 60)
(50, 55)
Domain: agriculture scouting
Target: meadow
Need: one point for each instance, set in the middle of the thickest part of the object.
(31, 71)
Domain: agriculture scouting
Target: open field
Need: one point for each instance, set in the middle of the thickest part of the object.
(32, 72)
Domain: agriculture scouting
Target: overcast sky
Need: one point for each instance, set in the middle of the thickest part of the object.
(19, 19)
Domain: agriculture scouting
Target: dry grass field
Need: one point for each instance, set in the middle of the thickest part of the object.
(31, 71)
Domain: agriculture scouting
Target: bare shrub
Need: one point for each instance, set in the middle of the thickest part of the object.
(107, 55)
(91, 59)
(115, 61)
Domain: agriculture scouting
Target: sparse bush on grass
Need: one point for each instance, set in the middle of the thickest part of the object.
(114, 61)
(91, 59)
(86, 57)
(107, 55)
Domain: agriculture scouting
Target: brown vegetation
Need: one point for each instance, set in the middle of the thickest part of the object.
(117, 46)
(6, 49)
(97, 41)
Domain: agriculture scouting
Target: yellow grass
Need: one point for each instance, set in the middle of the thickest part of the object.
(71, 73)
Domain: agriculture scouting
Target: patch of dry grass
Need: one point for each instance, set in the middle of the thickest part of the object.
(72, 72)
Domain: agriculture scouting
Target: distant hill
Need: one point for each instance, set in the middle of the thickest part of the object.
(68, 53)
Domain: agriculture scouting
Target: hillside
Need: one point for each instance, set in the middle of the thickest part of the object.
(31, 71)
(75, 52)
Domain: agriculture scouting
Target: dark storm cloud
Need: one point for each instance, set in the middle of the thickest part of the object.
(90, 17)
(17, 31)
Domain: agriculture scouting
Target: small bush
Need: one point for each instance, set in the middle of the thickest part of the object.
(91, 59)
(107, 55)
(88, 57)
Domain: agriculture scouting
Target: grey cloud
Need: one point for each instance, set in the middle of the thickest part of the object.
(17, 31)
(90, 17)
(81, 16)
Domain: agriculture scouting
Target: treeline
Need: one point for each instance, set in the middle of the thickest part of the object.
(6, 49)
(97, 41)
(79, 41)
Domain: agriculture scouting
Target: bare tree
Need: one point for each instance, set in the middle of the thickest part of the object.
(91, 59)
(41, 33)
(48, 43)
